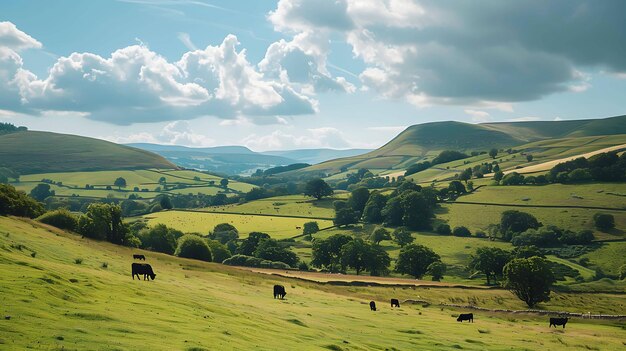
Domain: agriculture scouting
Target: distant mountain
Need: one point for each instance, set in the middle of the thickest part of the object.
(425, 140)
(314, 156)
(38, 152)
(209, 150)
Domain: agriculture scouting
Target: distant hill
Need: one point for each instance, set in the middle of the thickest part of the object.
(235, 149)
(314, 156)
(37, 152)
(424, 141)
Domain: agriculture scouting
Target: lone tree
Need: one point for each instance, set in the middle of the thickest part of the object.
(310, 228)
(41, 192)
(490, 261)
(530, 279)
(318, 189)
(493, 153)
(415, 259)
(166, 202)
(513, 221)
(604, 221)
(437, 269)
(529, 158)
(402, 236)
(120, 183)
(193, 246)
(224, 182)
(162, 180)
(379, 235)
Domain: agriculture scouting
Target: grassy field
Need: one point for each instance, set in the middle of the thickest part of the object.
(180, 182)
(55, 303)
(293, 205)
(189, 222)
(610, 257)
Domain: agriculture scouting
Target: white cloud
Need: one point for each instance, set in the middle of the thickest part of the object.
(136, 84)
(325, 137)
(174, 133)
(388, 129)
(478, 116)
(14, 39)
(525, 119)
(186, 40)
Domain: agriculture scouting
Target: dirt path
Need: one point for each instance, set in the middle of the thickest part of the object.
(546, 166)
(357, 280)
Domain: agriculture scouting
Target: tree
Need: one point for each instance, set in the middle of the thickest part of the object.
(402, 236)
(162, 180)
(513, 221)
(372, 213)
(224, 232)
(120, 183)
(379, 234)
(326, 253)
(416, 211)
(249, 245)
(461, 231)
(103, 222)
(466, 175)
(224, 183)
(436, 269)
(377, 260)
(414, 260)
(310, 228)
(41, 191)
(317, 188)
(219, 251)
(498, 176)
(159, 238)
(529, 158)
(61, 218)
(456, 187)
(271, 250)
(358, 199)
(526, 252)
(4, 179)
(530, 279)
(493, 153)
(443, 229)
(165, 202)
(604, 221)
(345, 216)
(193, 246)
(490, 261)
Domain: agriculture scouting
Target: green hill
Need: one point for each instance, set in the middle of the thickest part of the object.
(424, 141)
(38, 152)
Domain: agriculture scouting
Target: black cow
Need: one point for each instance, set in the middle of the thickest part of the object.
(395, 303)
(142, 268)
(279, 292)
(372, 305)
(466, 317)
(558, 321)
(139, 257)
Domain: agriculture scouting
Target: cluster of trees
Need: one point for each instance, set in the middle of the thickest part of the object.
(17, 203)
(6, 128)
(363, 178)
(340, 252)
(443, 157)
(280, 169)
(524, 271)
(409, 205)
(604, 167)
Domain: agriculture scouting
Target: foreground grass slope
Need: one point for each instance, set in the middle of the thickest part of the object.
(57, 304)
(38, 152)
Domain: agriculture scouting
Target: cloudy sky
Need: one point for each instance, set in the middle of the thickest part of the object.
(304, 73)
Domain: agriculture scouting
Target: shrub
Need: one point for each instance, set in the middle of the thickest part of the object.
(303, 266)
(105, 265)
(78, 260)
(461, 231)
(604, 221)
(17, 203)
(480, 234)
(219, 251)
(249, 261)
(193, 246)
(443, 229)
(61, 218)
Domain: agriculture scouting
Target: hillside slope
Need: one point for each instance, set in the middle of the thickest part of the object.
(38, 152)
(423, 141)
(56, 304)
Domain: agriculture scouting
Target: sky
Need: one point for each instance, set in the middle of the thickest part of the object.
(294, 74)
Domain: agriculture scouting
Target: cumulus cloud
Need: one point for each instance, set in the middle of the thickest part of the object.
(326, 137)
(174, 133)
(136, 84)
(478, 116)
(467, 53)
(14, 39)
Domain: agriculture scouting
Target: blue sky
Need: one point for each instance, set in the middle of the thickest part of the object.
(303, 74)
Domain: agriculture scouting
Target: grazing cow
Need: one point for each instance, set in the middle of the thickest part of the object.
(279, 292)
(139, 257)
(298, 227)
(372, 305)
(142, 268)
(466, 317)
(395, 303)
(558, 321)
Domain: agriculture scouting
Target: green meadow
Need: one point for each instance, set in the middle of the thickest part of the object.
(56, 304)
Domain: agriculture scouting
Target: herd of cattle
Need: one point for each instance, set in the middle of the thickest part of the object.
(280, 292)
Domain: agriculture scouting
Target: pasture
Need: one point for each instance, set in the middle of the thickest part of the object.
(55, 303)
(203, 222)
(292, 205)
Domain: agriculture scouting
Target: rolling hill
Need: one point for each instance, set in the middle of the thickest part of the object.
(424, 141)
(37, 152)
(314, 156)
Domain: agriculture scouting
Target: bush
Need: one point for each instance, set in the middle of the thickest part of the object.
(480, 234)
(61, 218)
(461, 231)
(219, 251)
(604, 221)
(193, 246)
(249, 261)
(78, 260)
(303, 266)
(443, 229)
(17, 203)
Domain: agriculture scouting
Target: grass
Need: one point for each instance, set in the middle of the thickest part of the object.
(609, 257)
(293, 205)
(194, 305)
(38, 152)
(276, 227)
